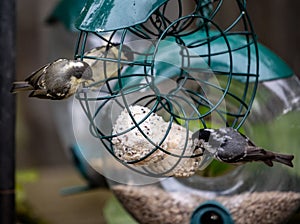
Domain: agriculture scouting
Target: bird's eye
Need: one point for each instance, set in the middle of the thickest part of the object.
(223, 144)
(77, 74)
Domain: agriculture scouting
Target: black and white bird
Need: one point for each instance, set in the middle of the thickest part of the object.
(230, 146)
(57, 80)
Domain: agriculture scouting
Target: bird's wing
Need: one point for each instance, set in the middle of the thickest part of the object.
(42, 94)
(250, 143)
(258, 154)
(36, 78)
(34, 81)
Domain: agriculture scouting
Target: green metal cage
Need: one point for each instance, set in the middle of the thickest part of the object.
(181, 63)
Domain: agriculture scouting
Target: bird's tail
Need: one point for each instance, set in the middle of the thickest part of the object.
(284, 159)
(20, 87)
(268, 157)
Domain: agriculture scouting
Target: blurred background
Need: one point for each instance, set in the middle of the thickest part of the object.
(42, 162)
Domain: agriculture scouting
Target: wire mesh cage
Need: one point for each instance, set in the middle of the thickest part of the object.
(161, 72)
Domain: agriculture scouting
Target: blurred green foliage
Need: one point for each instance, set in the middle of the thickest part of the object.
(114, 213)
(25, 213)
(281, 135)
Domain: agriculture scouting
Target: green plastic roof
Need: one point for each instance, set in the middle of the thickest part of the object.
(108, 15)
(270, 65)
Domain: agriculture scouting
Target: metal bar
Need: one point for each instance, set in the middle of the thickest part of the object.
(7, 112)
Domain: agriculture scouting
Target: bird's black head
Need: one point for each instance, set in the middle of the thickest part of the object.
(82, 70)
(202, 134)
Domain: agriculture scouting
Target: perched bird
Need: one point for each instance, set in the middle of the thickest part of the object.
(229, 146)
(57, 80)
(103, 61)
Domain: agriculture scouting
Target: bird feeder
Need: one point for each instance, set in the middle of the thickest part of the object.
(184, 67)
(190, 71)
